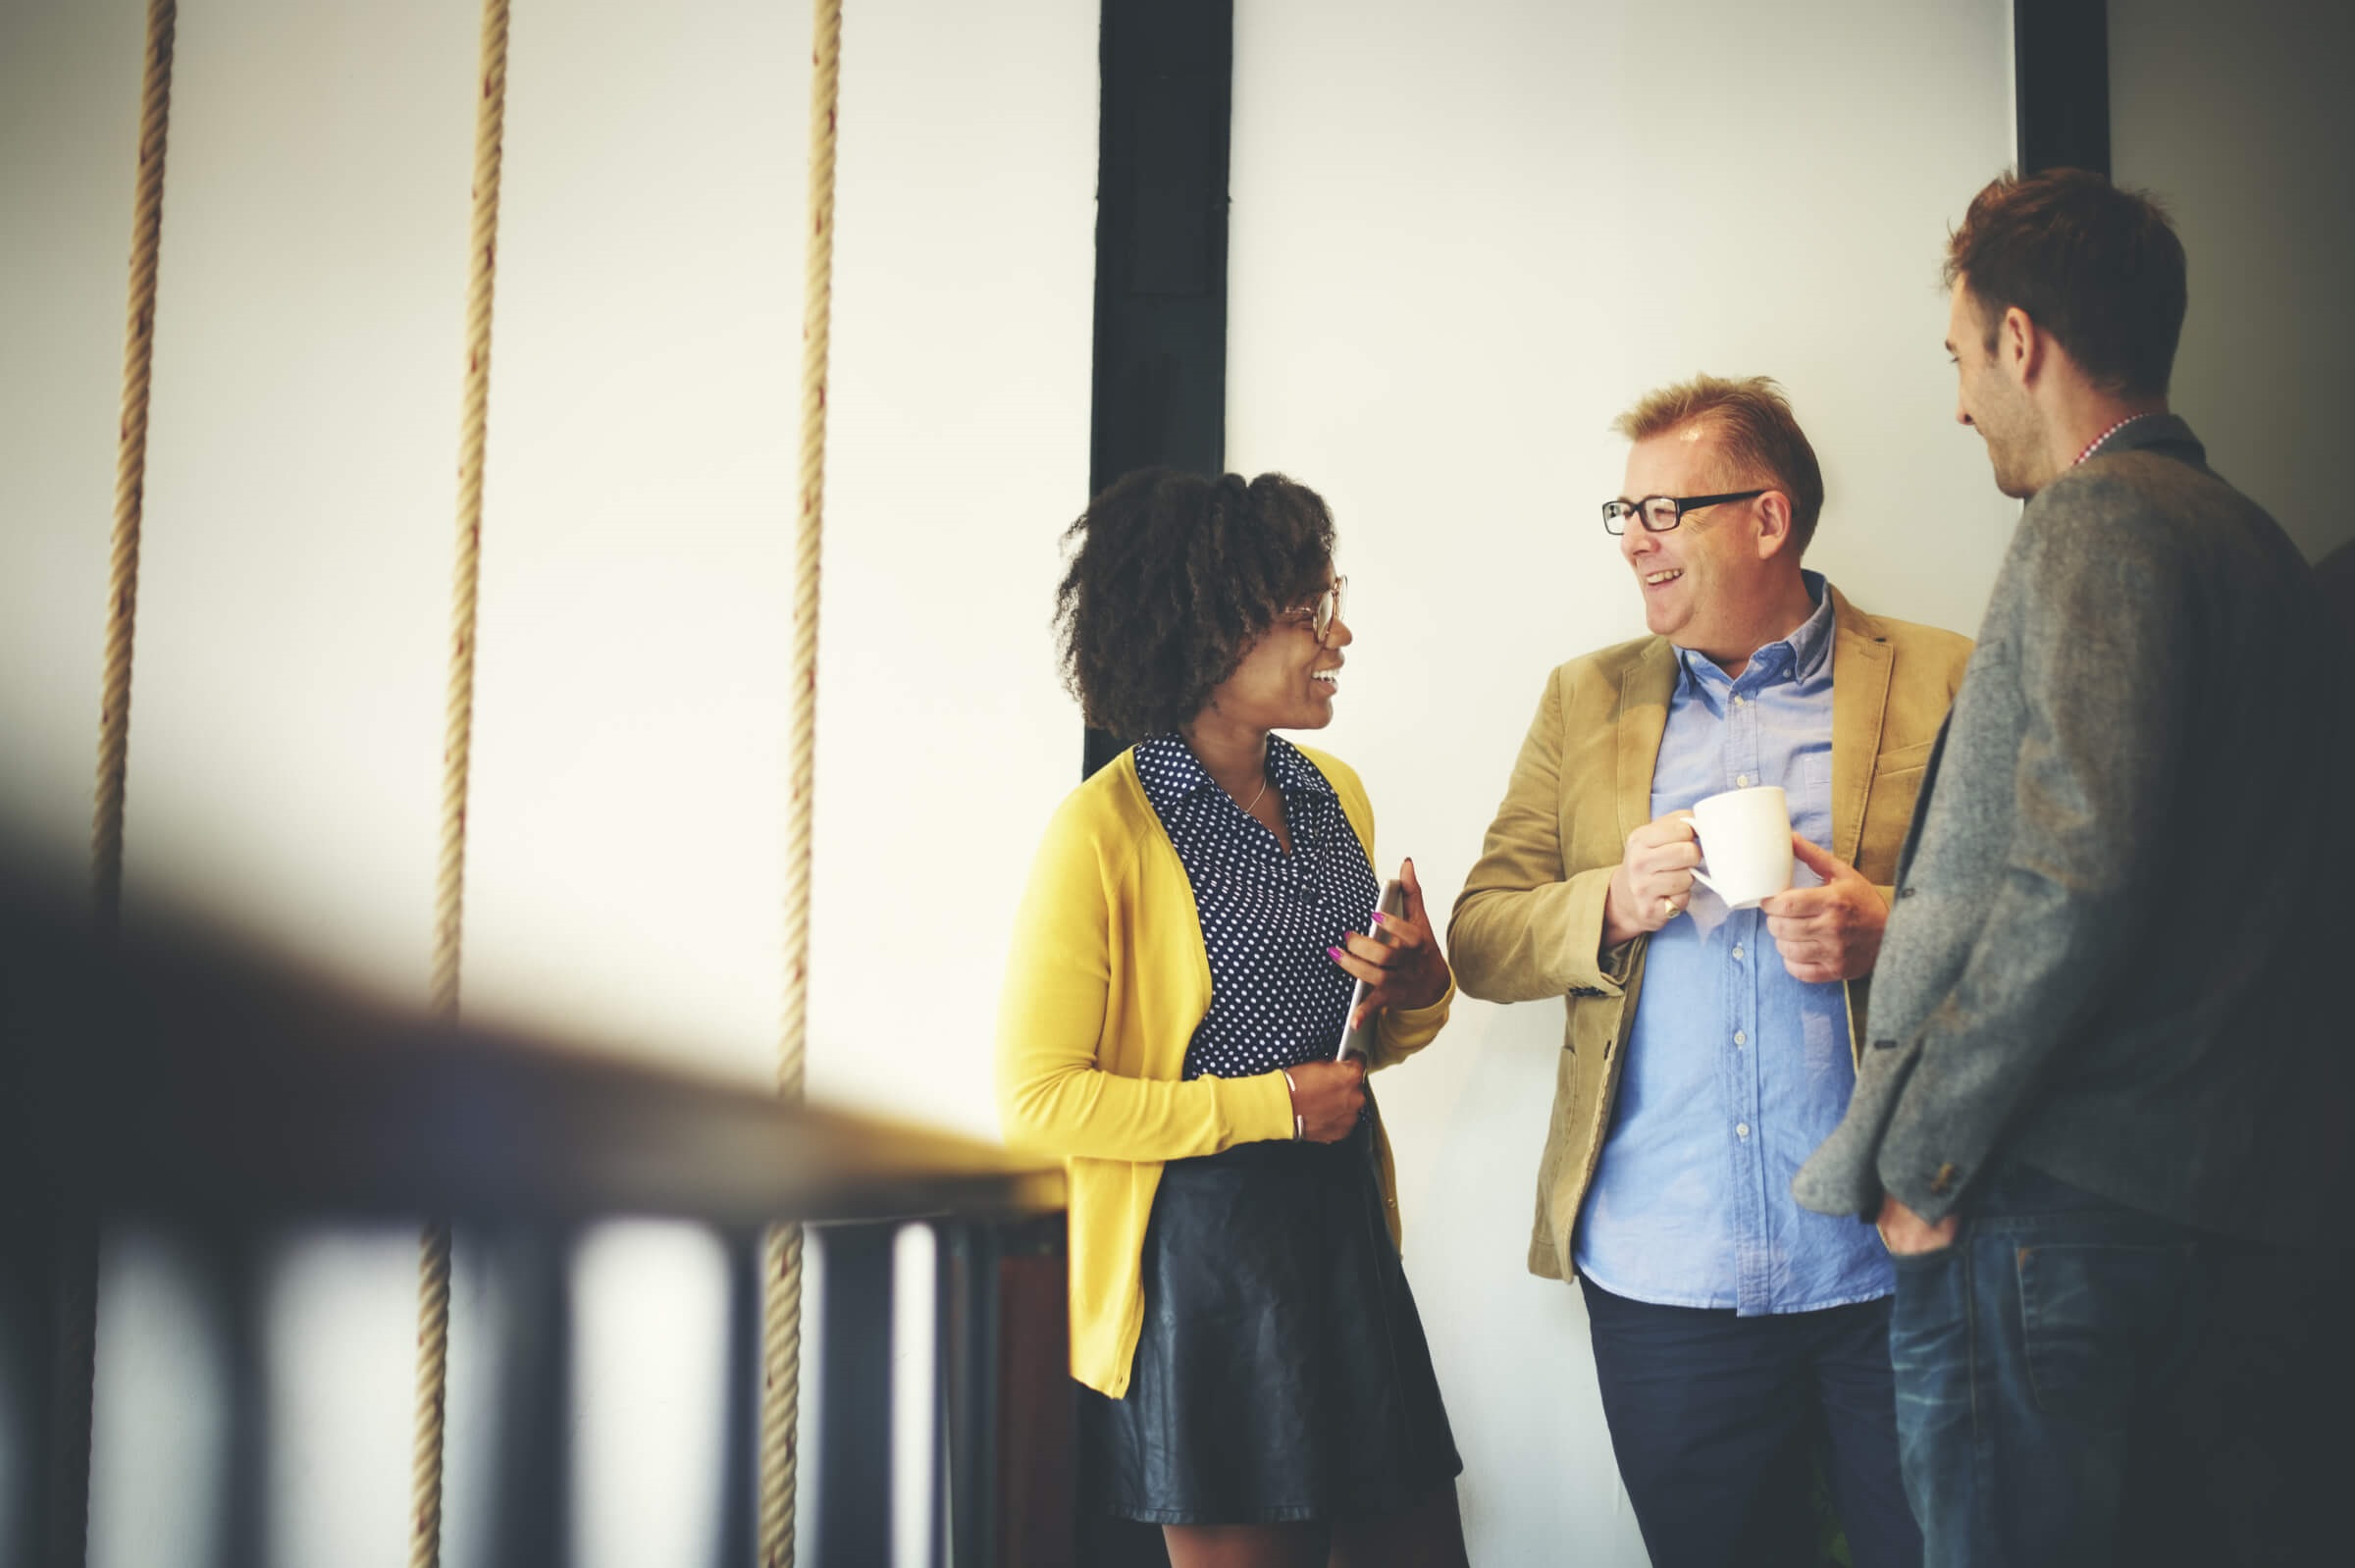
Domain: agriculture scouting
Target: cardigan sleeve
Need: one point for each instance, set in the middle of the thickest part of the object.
(1403, 1031)
(1054, 1096)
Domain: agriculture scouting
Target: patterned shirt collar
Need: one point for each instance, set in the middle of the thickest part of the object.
(2103, 439)
(1794, 657)
(1180, 773)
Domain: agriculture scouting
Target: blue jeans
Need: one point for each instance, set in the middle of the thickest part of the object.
(2037, 1358)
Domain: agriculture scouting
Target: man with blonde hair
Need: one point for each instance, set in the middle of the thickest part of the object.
(1708, 1050)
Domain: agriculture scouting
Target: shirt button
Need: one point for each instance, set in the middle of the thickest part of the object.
(1742, 1130)
(1741, 781)
(1737, 701)
(1737, 954)
(1741, 1038)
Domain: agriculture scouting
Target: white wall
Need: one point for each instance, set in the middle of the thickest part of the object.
(624, 866)
(69, 97)
(2236, 117)
(1460, 246)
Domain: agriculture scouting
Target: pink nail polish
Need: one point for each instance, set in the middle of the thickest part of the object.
(1335, 952)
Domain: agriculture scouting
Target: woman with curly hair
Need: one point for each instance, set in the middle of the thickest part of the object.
(1256, 1380)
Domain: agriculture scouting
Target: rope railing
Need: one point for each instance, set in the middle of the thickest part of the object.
(458, 745)
(130, 468)
(78, 1293)
(781, 1327)
(781, 1335)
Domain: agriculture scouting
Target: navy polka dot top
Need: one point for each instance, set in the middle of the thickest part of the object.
(1276, 996)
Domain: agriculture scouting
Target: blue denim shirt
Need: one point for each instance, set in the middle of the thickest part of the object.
(1735, 1071)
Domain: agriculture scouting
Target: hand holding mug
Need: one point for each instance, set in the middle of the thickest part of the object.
(1653, 881)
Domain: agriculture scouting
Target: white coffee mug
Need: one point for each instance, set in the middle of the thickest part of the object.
(1745, 841)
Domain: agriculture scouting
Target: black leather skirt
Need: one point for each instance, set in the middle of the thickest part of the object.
(1282, 1373)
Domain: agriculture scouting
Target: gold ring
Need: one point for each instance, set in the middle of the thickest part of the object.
(1669, 904)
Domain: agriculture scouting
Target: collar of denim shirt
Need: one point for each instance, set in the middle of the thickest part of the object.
(1795, 657)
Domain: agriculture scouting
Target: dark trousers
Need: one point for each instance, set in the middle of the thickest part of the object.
(1715, 1419)
(2084, 1384)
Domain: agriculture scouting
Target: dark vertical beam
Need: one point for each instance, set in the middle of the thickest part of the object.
(1159, 394)
(2061, 75)
(1161, 237)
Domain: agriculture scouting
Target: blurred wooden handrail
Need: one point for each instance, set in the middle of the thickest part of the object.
(178, 1074)
(190, 1076)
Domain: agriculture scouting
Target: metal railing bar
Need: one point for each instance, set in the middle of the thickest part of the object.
(532, 1454)
(852, 1513)
(739, 1489)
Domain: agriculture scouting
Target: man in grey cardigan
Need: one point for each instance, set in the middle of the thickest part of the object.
(2097, 1119)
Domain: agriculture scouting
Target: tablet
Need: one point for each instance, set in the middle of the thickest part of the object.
(1360, 1040)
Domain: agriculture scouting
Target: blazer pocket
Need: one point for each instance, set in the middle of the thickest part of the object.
(1888, 803)
(1903, 759)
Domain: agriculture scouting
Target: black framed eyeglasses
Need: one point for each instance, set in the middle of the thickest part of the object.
(1660, 513)
(1323, 610)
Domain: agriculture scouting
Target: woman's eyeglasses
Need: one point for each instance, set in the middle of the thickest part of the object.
(1322, 611)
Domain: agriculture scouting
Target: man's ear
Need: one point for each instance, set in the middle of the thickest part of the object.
(1772, 512)
(2022, 346)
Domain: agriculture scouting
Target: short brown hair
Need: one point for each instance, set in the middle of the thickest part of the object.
(1176, 576)
(1755, 430)
(2097, 267)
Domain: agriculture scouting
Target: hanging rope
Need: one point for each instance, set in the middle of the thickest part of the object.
(78, 1256)
(458, 743)
(781, 1338)
(130, 467)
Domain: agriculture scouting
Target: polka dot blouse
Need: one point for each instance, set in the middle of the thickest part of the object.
(1275, 997)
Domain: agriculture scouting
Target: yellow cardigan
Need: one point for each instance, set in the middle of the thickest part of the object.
(1107, 980)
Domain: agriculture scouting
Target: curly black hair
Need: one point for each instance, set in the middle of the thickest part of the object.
(1176, 576)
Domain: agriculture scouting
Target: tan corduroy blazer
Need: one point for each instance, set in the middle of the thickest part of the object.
(1529, 922)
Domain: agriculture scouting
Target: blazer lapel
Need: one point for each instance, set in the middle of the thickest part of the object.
(1860, 667)
(1644, 694)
